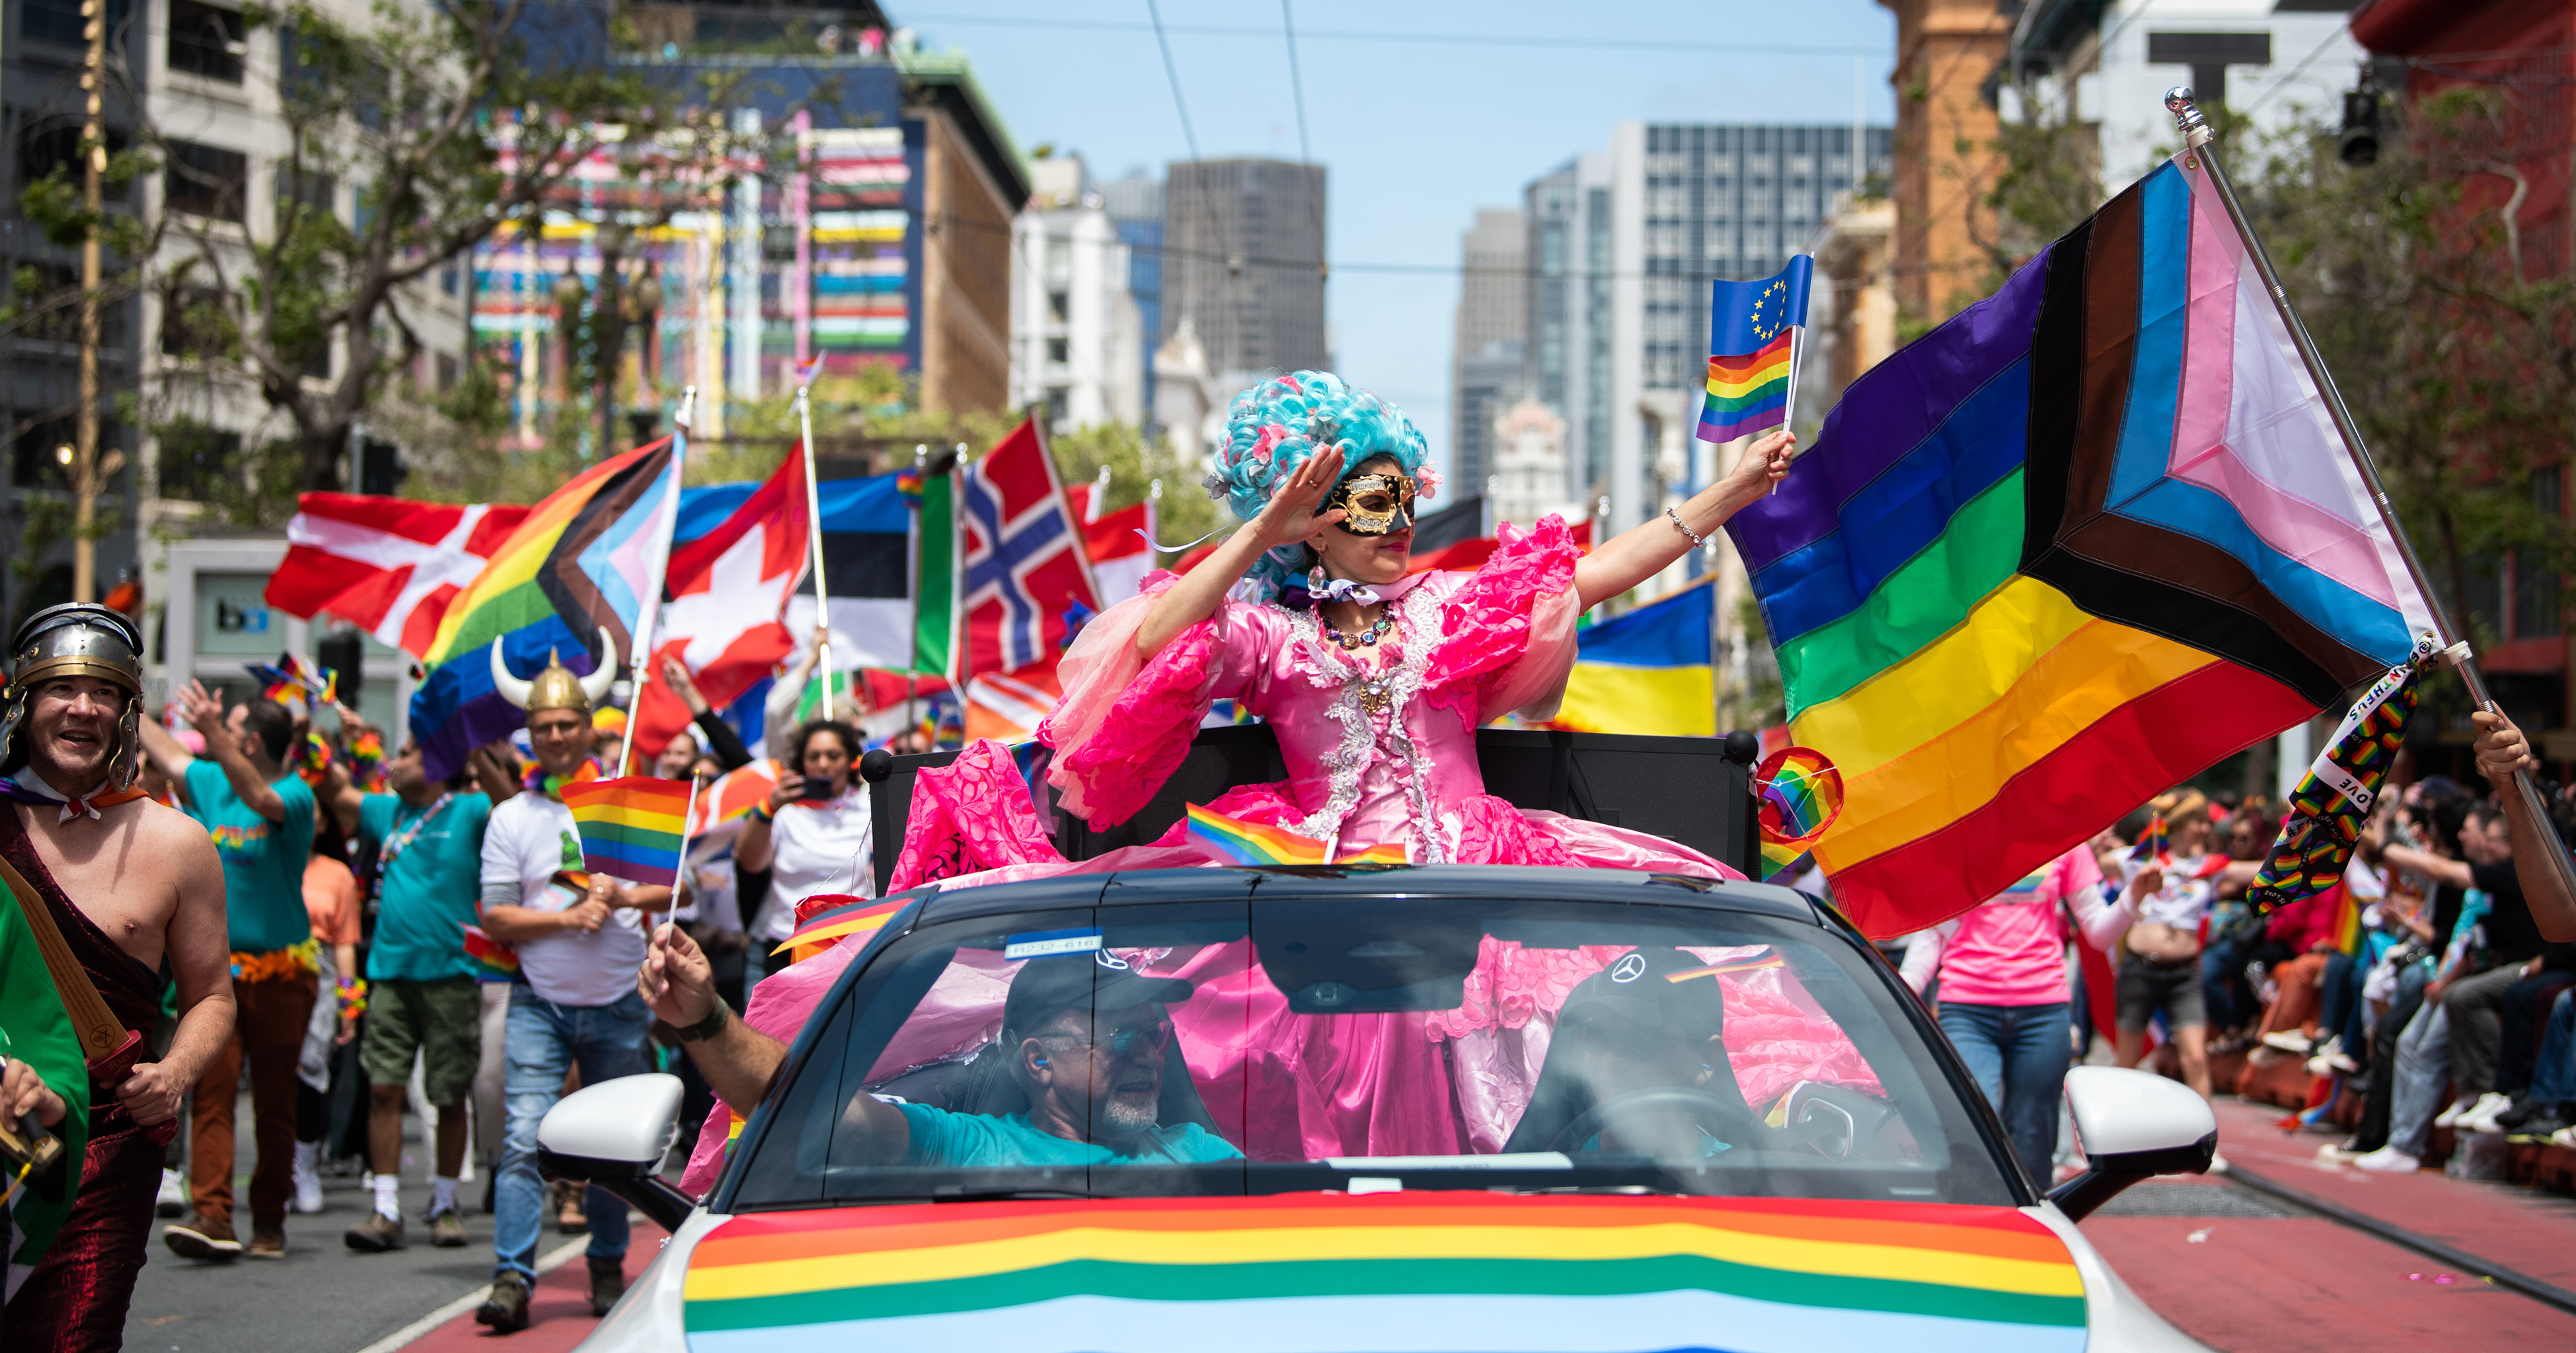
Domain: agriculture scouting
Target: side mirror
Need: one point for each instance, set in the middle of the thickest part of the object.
(614, 1135)
(2133, 1125)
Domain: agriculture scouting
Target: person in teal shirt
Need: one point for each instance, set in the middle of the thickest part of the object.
(261, 818)
(422, 998)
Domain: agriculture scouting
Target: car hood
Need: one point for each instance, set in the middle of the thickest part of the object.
(1389, 1273)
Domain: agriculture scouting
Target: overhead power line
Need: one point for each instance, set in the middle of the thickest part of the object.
(1553, 42)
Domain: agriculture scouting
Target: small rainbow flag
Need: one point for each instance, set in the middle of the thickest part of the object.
(839, 923)
(2154, 845)
(1799, 794)
(1751, 344)
(296, 683)
(1253, 843)
(634, 826)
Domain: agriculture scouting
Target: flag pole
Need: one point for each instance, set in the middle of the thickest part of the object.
(2196, 141)
(814, 528)
(688, 817)
(641, 644)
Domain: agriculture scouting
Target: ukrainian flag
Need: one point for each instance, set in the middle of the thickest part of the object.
(1647, 671)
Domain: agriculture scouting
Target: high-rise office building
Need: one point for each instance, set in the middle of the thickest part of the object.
(1135, 206)
(1243, 260)
(1486, 353)
(1622, 247)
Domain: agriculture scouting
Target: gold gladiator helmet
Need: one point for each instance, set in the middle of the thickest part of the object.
(557, 687)
(75, 639)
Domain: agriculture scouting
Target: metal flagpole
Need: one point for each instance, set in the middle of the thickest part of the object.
(688, 816)
(2196, 140)
(640, 645)
(814, 527)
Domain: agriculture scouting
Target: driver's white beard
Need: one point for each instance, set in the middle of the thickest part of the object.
(1125, 1121)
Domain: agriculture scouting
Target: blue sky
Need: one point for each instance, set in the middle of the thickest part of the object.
(1417, 134)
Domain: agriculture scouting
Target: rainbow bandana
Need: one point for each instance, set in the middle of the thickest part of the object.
(1391, 1273)
(1235, 841)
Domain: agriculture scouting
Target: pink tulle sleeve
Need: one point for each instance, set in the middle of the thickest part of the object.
(1125, 722)
(1508, 631)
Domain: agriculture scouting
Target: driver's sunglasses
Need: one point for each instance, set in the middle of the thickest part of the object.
(1125, 1040)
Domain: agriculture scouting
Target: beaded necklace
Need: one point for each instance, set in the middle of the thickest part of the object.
(1368, 637)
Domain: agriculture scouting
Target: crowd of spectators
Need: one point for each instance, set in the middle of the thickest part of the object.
(2420, 990)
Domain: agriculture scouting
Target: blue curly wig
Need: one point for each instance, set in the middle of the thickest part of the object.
(1273, 428)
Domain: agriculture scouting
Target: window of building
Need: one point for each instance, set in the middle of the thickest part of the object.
(307, 187)
(1059, 351)
(205, 180)
(59, 22)
(446, 367)
(193, 323)
(197, 460)
(39, 455)
(1057, 399)
(1059, 306)
(2536, 595)
(207, 40)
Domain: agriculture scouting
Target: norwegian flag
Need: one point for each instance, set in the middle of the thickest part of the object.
(1025, 584)
(727, 590)
(386, 565)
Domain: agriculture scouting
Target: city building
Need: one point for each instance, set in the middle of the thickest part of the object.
(1135, 206)
(1244, 263)
(1852, 304)
(1188, 405)
(2277, 64)
(1622, 247)
(1527, 479)
(1945, 165)
(880, 231)
(1076, 350)
(1487, 351)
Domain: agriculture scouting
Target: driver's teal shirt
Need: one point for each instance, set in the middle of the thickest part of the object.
(974, 1141)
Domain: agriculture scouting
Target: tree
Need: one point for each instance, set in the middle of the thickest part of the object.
(447, 130)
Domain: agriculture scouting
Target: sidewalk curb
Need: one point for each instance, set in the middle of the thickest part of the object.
(546, 1263)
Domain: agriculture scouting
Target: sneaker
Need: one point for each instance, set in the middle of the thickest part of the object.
(308, 1184)
(2290, 1040)
(2565, 1136)
(2481, 1115)
(2217, 1163)
(267, 1242)
(607, 1283)
(2450, 1117)
(2527, 1109)
(202, 1237)
(447, 1230)
(506, 1310)
(377, 1234)
(173, 1199)
(2388, 1160)
(2339, 1153)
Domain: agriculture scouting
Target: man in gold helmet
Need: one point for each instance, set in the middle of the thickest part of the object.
(129, 885)
(580, 937)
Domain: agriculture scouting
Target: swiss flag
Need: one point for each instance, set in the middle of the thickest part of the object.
(727, 590)
(387, 565)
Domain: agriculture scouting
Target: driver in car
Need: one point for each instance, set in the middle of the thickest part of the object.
(1650, 1022)
(1085, 1034)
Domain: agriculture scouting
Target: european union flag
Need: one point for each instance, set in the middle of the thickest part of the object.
(1749, 347)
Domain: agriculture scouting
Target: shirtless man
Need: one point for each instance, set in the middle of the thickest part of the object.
(129, 884)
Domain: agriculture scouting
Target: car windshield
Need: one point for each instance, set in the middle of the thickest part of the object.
(1367, 1044)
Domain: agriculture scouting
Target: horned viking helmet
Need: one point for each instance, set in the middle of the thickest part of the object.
(557, 687)
(75, 639)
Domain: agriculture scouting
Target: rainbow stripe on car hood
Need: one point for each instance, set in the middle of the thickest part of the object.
(1389, 1273)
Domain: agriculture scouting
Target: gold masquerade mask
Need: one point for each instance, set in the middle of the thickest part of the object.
(1377, 504)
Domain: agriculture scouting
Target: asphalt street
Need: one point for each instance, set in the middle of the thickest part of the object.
(323, 1297)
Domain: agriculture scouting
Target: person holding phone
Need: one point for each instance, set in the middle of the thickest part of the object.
(811, 834)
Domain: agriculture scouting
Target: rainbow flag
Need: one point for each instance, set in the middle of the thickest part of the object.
(2092, 534)
(1413, 1272)
(632, 827)
(1647, 671)
(2154, 844)
(1752, 328)
(587, 558)
(867, 917)
(1797, 793)
(1253, 843)
(1730, 967)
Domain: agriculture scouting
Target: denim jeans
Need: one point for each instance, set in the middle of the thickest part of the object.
(2553, 1077)
(2019, 1054)
(2423, 1068)
(545, 1039)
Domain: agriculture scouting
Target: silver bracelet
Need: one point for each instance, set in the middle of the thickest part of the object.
(1696, 538)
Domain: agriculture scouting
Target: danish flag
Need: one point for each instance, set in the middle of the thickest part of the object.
(386, 565)
(1026, 583)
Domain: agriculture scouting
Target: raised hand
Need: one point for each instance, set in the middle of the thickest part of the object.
(1291, 519)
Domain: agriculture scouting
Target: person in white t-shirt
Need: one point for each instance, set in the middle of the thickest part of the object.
(2159, 959)
(580, 937)
(812, 834)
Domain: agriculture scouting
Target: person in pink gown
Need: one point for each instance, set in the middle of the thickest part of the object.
(1375, 680)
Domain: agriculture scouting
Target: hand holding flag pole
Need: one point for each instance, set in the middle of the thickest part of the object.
(2196, 143)
(814, 529)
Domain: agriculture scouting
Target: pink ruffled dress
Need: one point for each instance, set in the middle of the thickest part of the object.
(1380, 744)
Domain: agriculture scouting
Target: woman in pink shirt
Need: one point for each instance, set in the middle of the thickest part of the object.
(2004, 992)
